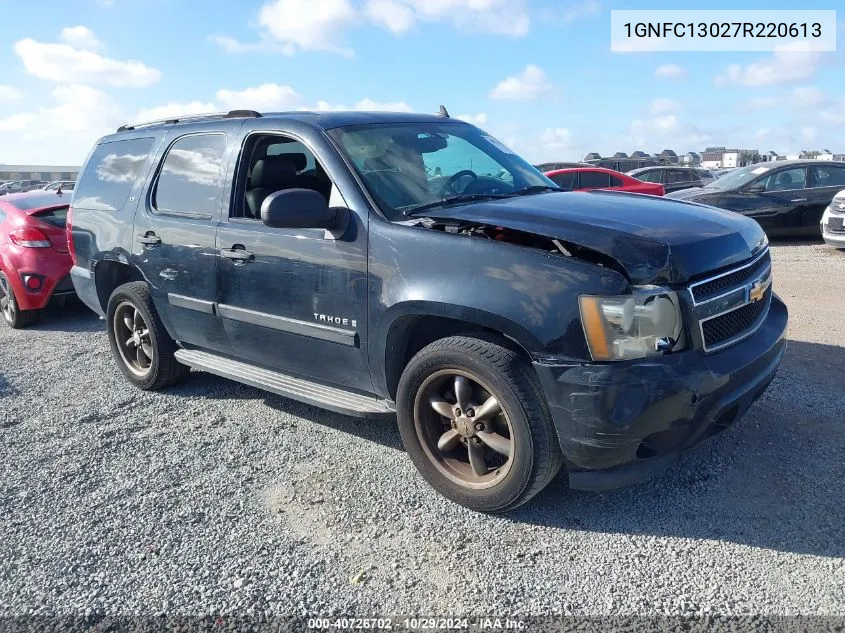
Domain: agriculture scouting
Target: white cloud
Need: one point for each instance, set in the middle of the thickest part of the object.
(9, 93)
(762, 103)
(16, 122)
(529, 84)
(264, 98)
(172, 110)
(393, 16)
(787, 65)
(556, 139)
(62, 133)
(80, 37)
(834, 114)
(308, 25)
(662, 106)
(580, 10)
(64, 63)
(475, 119)
(668, 130)
(500, 17)
(670, 71)
(807, 96)
(364, 105)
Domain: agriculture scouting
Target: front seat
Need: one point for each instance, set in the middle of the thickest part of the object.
(784, 181)
(269, 174)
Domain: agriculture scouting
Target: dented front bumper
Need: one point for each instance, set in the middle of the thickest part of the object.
(620, 423)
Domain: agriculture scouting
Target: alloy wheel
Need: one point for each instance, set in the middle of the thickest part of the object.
(132, 336)
(463, 428)
(7, 300)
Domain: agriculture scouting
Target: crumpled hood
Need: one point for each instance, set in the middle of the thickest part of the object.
(654, 239)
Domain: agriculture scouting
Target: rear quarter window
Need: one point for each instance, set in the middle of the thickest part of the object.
(112, 171)
(56, 217)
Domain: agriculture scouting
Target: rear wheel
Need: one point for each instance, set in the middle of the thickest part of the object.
(12, 314)
(142, 347)
(474, 421)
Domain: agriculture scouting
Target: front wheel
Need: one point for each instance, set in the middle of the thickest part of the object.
(141, 346)
(12, 314)
(474, 421)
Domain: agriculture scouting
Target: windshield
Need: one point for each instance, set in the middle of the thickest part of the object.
(737, 178)
(406, 166)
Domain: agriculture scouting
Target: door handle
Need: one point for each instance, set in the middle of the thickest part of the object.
(149, 239)
(238, 255)
(799, 200)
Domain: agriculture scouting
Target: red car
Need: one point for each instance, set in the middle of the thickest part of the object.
(34, 259)
(586, 178)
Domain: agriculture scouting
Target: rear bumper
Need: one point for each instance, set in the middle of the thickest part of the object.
(47, 265)
(86, 288)
(620, 423)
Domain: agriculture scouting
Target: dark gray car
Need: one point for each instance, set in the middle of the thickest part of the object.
(674, 178)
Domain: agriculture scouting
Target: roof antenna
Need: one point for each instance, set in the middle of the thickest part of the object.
(443, 112)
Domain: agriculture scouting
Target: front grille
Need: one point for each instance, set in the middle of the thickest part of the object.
(726, 327)
(724, 283)
(723, 306)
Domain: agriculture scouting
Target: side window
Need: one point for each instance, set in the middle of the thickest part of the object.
(828, 177)
(676, 176)
(564, 181)
(616, 182)
(785, 180)
(110, 174)
(649, 176)
(593, 180)
(274, 162)
(191, 176)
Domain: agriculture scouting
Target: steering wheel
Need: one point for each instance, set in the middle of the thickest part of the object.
(449, 185)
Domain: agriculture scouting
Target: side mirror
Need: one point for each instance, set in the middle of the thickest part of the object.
(303, 209)
(756, 188)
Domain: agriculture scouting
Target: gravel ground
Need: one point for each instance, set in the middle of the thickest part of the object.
(214, 497)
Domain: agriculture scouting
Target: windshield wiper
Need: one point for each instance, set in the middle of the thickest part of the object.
(527, 191)
(470, 197)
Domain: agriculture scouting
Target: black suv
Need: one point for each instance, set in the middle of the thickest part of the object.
(412, 265)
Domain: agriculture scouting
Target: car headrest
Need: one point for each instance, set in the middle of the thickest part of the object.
(273, 171)
(299, 161)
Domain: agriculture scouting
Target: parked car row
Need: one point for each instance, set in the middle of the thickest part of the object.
(412, 266)
(19, 186)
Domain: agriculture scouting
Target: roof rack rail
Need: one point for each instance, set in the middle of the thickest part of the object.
(232, 114)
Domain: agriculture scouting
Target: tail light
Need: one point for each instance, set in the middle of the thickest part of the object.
(29, 237)
(69, 234)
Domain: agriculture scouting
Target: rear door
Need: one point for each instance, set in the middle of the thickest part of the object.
(825, 181)
(589, 179)
(175, 230)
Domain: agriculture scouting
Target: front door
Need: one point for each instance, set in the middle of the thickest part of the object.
(293, 300)
(776, 200)
(174, 235)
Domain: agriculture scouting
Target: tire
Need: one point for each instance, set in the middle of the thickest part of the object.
(12, 314)
(533, 456)
(146, 360)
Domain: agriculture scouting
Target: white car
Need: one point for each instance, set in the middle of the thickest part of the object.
(833, 221)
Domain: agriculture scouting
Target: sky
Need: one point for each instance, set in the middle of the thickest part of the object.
(537, 74)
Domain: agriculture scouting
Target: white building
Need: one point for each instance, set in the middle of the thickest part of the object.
(825, 154)
(38, 172)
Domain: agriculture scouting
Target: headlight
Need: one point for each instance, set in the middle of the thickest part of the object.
(645, 323)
